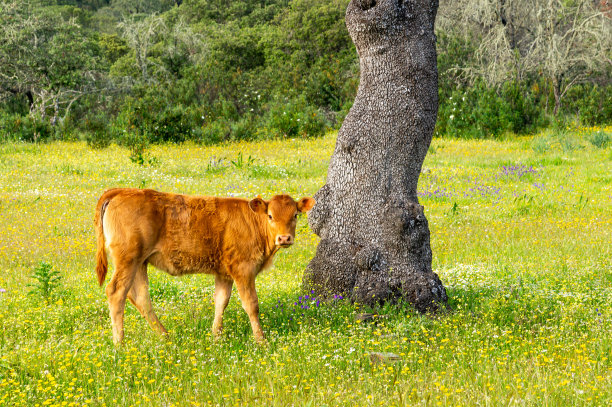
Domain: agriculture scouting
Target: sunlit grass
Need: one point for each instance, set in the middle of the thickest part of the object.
(521, 237)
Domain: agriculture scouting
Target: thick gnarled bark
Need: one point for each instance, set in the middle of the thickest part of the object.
(374, 235)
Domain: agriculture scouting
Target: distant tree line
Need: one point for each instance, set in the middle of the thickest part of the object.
(147, 71)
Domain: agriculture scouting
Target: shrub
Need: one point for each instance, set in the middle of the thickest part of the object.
(282, 120)
(130, 130)
(591, 103)
(173, 124)
(600, 139)
(97, 133)
(15, 127)
(482, 112)
(161, 120)
(313, 123)
(294, 118)
(521, 110)
(215, 132)
(243, 129)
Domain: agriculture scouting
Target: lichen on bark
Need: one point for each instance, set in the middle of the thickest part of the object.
(374, 234)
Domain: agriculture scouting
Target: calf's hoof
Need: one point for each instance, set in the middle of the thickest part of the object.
(118, 338)
(261, 340)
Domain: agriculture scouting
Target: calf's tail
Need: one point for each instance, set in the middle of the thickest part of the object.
(101, 259)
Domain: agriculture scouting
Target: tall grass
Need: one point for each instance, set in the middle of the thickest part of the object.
(521, 237)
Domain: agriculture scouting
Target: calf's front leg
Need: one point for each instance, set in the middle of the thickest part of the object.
(246, 289)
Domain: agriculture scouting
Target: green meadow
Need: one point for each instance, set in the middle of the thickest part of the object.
(521, 232)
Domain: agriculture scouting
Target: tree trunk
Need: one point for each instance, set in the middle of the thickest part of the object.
(374, 235)
(557, 93)
(30, 99)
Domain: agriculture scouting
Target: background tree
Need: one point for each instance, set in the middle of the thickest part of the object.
(47, 57)
(568, 42)
(141, 35)
(374, 235)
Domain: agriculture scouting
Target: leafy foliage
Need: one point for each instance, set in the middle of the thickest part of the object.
(47, 281)
(600, 139)
(212, 71)
(15, 127)
(481, 112)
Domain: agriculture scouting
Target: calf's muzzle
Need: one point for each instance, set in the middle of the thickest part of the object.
(284, 240)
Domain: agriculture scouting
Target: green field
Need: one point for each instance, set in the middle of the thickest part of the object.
(521, 232)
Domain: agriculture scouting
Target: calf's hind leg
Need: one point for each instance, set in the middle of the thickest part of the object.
(139, 296)
(116, 292)
(223, 291)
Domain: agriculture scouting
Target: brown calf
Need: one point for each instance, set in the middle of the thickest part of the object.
(232, 238)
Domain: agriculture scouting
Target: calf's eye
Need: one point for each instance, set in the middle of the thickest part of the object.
(270, 217)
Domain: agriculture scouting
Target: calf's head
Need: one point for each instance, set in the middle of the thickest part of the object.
(281, 214)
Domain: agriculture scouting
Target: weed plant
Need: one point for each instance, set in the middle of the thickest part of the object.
(47, 282)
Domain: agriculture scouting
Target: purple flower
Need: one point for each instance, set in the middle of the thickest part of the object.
(518, 170)
(2, 290)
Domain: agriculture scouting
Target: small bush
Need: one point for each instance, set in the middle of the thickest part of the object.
(484, 112)
(97, 133)
(282, 120)
(313, 123)
(215, 132)
(294, 118)
(600, 139)
(243, 129)
(15, 127)
(173, 124)
(130, 129)
(592, 104)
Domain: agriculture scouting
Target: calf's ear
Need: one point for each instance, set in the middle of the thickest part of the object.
(305, 204)
(258, 205)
